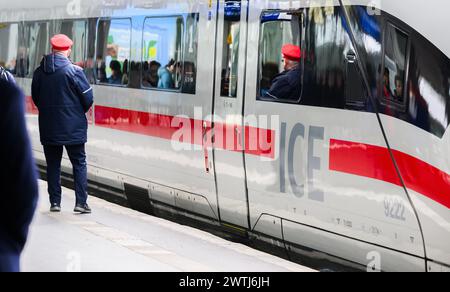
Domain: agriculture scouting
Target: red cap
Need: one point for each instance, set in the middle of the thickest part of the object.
(292, 52)
(61, 42)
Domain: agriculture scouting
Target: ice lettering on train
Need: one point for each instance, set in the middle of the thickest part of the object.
(312, 165)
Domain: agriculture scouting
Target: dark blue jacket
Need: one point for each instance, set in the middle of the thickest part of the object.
(62, 94)
(19, 189)
(286, 86)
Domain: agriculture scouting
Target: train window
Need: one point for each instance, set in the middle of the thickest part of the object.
(395, 65)
(162, 52)
(230, 51)
(277, 29)
(9, 42)
(113, 51)
(76, 30)
(327, 74)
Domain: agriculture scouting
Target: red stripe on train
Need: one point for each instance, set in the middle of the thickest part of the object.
(375, 162)
(259, 142)
(347, 157)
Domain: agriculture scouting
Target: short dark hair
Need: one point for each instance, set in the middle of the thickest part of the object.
(171, 63)
(115, 66)
(154, 63)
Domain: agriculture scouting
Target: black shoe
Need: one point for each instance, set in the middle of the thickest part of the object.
(82, 209)
(55, 208)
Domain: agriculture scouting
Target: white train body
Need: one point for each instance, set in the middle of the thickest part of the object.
(366, 181)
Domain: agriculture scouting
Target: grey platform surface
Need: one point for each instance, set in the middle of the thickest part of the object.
(114, 238)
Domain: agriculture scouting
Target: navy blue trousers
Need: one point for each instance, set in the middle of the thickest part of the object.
(77, 156)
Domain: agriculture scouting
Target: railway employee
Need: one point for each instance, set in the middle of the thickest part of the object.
(63, 96)
(18, 180)
(287, 86)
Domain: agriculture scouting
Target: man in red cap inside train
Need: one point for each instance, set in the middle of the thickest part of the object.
(63, 96)
(287, 85)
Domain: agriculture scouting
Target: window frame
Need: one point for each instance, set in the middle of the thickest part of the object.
(100, 19)
(388, 102)
(225, 49)
(259, 96)
(183, 43)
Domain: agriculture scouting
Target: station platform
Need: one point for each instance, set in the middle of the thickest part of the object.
(117, 239)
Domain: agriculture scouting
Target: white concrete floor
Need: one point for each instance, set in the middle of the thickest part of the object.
(114, 238)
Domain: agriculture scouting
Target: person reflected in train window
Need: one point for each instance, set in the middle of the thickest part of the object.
(101, 71)
(165, 75)
(18, 180)
(89, 70)
(225, 82)
(145, 75)
(125, 72)
(176, 75)
(111, 55)
(287, 85)
(151, 78)
(135, 79)
(22, 62)
(386, 83)
(154, 67)
(116, 73)
(399, 89)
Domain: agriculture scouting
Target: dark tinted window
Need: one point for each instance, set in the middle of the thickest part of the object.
(428, 89)
(328, 74)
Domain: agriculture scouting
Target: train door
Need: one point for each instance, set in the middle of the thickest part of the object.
(228, 106)
(331, 184)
